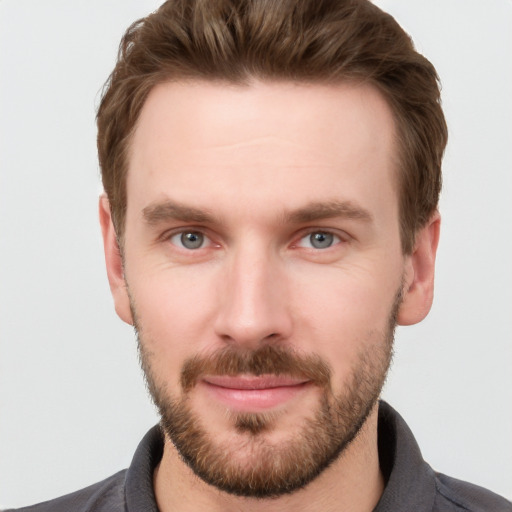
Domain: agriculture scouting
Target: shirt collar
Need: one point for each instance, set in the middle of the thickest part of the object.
(410, 480)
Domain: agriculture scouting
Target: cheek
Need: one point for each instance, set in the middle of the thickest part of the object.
(174, 314)
(341, 314)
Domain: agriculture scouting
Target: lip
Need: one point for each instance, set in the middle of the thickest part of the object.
(249, 393)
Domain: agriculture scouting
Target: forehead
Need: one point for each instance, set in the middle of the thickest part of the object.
(272, 143)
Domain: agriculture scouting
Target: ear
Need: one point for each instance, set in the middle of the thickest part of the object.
(114, 263)
(418, 292)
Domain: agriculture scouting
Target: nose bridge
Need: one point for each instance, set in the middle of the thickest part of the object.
(253, 296)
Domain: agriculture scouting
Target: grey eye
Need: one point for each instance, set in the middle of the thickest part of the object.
(191, 239)
(321, 240)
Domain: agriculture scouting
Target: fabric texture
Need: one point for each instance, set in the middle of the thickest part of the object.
(412, 485)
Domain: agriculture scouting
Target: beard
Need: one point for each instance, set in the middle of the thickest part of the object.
(270, 470)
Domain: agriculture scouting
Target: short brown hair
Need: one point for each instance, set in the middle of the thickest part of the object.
(295, 40)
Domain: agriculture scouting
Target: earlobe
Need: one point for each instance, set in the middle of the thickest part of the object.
(418, 291)
(114, 262)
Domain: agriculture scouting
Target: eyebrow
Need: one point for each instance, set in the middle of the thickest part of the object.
(326, 210)
(172, 210)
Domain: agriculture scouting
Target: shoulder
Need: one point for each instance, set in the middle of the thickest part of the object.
(107, 495)
(456, 495)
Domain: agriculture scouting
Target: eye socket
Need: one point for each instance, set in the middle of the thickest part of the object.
(319, 240)
(189, 240)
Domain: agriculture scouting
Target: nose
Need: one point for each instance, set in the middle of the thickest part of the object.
(253, 297)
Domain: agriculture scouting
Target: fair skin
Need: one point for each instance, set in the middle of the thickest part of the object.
(255, 171)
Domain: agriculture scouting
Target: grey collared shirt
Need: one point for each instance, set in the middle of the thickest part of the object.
(412, 485)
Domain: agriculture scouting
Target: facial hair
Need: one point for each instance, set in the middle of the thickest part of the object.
(270, 470)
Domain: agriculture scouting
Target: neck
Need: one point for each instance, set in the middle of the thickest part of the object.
(353, 483)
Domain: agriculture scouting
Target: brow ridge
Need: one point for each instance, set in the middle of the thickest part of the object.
(173, 210)
(156, 213)
(319, 210)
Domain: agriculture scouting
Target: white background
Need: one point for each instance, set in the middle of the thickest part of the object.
(72, 401)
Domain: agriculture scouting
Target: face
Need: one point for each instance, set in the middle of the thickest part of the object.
(263, 271)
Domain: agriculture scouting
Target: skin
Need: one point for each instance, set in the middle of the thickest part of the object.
(261, 160)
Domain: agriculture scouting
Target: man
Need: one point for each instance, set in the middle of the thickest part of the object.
(272, 175)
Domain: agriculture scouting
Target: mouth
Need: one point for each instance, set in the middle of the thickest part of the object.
(250, 393)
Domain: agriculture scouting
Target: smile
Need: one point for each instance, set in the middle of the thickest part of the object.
(251, 393)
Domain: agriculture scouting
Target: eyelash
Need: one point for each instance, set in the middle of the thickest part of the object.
(337, 238)
(188, 232)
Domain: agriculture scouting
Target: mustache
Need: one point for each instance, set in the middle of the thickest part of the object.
(265, 360)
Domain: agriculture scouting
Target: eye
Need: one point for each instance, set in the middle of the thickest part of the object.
(190, 240)
(319, 240)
